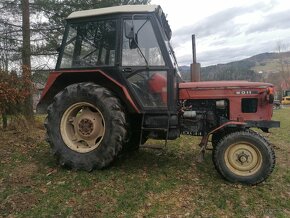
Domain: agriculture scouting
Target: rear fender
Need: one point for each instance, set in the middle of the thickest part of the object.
(58, 80)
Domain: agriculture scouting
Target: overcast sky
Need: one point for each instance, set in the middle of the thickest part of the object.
(226, 30)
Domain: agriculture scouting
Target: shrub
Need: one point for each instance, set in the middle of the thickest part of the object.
(14, 90)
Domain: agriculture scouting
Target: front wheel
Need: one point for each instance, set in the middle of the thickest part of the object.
(245, 157)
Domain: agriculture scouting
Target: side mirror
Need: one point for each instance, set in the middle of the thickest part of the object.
(133, 43)
(131, 35)
(129, 30)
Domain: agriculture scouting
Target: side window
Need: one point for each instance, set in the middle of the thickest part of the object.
(147, 42)
(90, 44)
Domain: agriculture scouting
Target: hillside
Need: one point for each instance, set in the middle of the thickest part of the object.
(256, 68)
(270, 62)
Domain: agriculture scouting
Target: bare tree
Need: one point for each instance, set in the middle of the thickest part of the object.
(26, 53)
(284, 65)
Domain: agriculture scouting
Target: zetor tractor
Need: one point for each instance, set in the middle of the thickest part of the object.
(117, 84)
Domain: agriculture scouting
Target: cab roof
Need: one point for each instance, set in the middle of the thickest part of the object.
(114, 10)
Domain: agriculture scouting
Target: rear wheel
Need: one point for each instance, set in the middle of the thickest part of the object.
(85, 126)
(244, 157)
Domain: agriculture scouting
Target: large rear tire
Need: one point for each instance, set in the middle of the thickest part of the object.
(244, 157)
(85, 126)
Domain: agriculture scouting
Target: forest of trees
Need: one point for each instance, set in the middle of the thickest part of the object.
(239, 70)
(233, 71)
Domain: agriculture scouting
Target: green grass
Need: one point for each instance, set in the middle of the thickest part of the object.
(146, 183)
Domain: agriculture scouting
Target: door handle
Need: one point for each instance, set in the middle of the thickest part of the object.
(127, 70)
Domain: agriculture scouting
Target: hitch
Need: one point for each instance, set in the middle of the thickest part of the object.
(202, 145)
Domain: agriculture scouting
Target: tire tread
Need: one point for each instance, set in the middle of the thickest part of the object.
(107, 153)
(247, 133)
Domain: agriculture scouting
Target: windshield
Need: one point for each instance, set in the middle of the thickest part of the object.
(166, 35)
(171, 53)
(173, 57)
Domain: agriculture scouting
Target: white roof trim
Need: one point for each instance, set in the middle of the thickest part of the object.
(111, 10)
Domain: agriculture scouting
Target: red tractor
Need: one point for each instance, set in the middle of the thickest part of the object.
(117, 84)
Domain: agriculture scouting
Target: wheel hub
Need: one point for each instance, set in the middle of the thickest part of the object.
(243, 159)
(86, 127)
(82, 127)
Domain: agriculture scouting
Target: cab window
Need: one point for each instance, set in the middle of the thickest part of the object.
(90, 44)
(144, 48)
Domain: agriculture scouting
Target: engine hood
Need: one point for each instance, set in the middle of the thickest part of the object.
(223, 85)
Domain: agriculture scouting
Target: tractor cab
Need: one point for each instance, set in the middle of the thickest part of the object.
(130, 44)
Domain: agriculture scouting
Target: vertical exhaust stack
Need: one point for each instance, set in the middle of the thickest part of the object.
(195, 67)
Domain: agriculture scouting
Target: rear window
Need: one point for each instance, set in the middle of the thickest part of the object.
(249, 105)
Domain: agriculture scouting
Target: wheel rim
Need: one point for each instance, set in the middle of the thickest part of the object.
(243, 158)
(82, 127)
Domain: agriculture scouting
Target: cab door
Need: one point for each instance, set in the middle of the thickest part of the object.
(144, 65)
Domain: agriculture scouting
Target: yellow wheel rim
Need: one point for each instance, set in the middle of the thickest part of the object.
(243, 158)
(82, 127)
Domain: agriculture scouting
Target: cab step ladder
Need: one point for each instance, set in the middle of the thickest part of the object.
(154, 129)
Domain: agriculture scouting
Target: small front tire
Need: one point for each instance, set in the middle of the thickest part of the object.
(244, 157)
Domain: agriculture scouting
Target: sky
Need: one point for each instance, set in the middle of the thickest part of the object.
(226, 30)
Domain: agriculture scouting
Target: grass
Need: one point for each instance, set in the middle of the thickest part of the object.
(146, 183)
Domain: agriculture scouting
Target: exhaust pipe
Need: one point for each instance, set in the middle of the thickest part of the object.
(195, 67)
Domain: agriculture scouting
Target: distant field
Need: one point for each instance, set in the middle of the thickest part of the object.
(146, 183)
